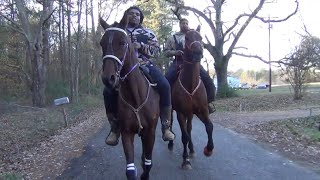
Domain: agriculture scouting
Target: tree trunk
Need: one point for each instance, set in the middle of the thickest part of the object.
(38, 49)
(221, 67)
(95, 65)
(87, 60)
(62, 48)
(70, 59)
(77, 59)
(47, 9)
(38, 85)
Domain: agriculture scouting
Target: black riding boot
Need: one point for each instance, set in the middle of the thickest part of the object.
(165, 116)
(211, 90)
(114, 134)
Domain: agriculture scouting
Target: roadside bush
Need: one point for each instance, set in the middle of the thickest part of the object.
(230, 92)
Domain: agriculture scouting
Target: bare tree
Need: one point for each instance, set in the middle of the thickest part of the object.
(36, 34)
(62, 40)
(212, 15)
(297, 66)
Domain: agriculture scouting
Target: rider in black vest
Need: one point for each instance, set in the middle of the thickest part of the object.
(174, 48)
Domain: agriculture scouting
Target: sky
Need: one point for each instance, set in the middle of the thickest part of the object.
(283, 36)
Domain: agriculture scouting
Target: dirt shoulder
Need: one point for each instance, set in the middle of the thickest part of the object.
(51, 157)
(270, 129)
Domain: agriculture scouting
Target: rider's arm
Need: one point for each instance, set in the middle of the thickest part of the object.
(169, 48)
(151, 48)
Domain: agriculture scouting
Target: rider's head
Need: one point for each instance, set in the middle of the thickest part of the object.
(135, 16)
(184, 25)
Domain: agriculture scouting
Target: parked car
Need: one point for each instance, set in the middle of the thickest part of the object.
(262, 86)
(244, 86)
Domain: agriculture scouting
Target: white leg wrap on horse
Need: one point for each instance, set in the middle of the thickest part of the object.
(131, 166)
(147, 162)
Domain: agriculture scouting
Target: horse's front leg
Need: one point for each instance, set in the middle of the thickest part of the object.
(204, 117)
(189, 129)
(147, 144)
(128, 148)
(185, 139)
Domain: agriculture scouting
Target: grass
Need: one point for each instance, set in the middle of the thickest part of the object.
(280, 98)
(278, 89)
(306, 128)
(11, 176)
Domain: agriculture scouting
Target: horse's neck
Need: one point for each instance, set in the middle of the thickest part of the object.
(190, 75)
(134, 88)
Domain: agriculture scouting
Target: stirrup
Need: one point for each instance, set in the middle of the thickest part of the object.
(112, 139)
(168, 135)
(211, 108)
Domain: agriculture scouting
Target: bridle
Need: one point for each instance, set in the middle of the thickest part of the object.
(190, 46)
(115, 58)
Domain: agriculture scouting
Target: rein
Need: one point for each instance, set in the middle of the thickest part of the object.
(136, 110)
(185, 90)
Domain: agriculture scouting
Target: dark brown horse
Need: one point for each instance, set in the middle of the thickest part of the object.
(189, 96)
(138, 103)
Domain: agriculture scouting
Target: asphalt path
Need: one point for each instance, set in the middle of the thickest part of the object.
(235, 157)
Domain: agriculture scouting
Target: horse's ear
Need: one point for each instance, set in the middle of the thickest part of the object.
(198, 28)
(124, 21)
(103, 23)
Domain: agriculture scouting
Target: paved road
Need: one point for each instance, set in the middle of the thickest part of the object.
(235, 157)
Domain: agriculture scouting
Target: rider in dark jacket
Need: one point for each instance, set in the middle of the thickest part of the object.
(174, 48)
(147, 46)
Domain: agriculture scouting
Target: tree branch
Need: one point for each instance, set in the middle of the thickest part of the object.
(235, 23)
(279, 20)
(200, 13)
(15, 27)
(176, 12)
(251, 56)
(244, 26)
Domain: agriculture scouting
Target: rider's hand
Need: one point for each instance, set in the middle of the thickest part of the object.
(178, 53)
(136, 45)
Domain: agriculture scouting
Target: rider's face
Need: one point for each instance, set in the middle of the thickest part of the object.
(134, 17)
(184, 25)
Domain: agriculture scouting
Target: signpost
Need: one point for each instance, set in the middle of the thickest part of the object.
(61, 102)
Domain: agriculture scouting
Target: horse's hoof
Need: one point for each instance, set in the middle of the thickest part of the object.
(170, 145)
(206, 152)
(144, 177)
(186, 166)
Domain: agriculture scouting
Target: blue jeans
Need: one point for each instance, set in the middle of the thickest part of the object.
(172, 73)
(163, 86)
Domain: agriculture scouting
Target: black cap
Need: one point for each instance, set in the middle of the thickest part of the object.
(137, 8)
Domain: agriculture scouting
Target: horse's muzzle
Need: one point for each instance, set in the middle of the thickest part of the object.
(110, 81)
(197, 56)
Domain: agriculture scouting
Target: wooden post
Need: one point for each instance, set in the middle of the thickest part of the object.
(65, 117)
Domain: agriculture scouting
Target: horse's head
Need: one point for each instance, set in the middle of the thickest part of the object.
(115, 48)
(193, 45)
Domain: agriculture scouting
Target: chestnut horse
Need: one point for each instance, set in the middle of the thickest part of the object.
(189, 96)
(138, 102)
